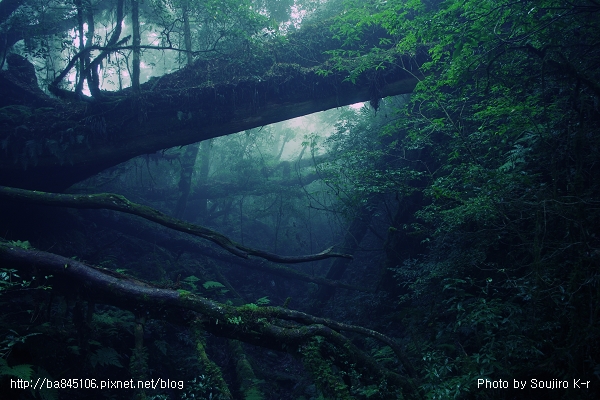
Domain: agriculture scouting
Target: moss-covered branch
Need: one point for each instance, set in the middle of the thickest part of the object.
(111, 201)
(175, 243)
(270, 327)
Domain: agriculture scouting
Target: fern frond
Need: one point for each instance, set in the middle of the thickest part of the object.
(21, 371)
(105, 356)
(212, 285)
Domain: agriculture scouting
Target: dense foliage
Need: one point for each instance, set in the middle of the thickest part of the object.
(501, 139)
(471, 205)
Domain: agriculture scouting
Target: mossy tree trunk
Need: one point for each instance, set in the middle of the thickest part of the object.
(82, 139)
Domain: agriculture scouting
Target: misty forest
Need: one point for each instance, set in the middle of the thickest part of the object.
(299, 199)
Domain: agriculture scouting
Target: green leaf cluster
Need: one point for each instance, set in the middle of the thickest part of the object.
(208, 285)
(21, 371)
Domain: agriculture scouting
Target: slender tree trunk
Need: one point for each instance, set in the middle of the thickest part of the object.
(82, 66)
(187, 33)
(90, 39)
(84, 9)
(188, 162)
(135, 22)
(354, 235)
(205, 147)
(400, 245)
(191, 154)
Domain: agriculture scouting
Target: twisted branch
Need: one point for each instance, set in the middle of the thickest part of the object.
(116, 202)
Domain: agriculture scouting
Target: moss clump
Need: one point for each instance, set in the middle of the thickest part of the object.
(321, 369)
(213, 372)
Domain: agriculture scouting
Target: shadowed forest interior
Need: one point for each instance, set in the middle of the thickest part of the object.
(299, 199)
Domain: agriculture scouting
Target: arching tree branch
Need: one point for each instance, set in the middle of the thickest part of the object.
(111, 201)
